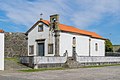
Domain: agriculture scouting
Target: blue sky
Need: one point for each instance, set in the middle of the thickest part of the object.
(100, 16)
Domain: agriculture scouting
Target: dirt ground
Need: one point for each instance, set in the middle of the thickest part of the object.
(101, 73)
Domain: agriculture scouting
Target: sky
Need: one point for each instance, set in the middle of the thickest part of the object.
(100, 16)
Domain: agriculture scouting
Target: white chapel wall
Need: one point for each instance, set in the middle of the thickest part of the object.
(101, 47)
(82, 44)
(1, 51)
(66, 41)
(34, 34)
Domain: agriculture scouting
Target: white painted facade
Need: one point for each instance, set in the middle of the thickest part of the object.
(66, 43)
(34, 35)
(101, 47)
(1, 51)
(85, 45)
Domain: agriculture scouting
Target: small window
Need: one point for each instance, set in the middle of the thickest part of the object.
(74, 41)
(74, 49)
(50, 48)
(40, 28)
(96, 46)
(31, 49)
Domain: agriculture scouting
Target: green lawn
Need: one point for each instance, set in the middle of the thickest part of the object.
(12, 59)
(41, 69)
(45, 69)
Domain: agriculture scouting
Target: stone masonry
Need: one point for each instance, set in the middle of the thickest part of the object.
(116, 48)
(15, 44)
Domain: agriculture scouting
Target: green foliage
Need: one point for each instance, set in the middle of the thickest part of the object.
(108, 46)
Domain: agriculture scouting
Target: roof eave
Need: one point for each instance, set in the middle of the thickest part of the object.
(34, 26)
(82, 34)
(98, 38)
(74, 32)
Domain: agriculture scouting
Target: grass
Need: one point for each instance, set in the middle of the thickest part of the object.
(46, 69)
(12, 59)
(95, 66)
(41, 69)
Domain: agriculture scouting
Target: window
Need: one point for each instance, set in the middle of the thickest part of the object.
(96, 47)
(74, 49)
(40, 28)
(74, 41)
(31, 49)
(50, 48)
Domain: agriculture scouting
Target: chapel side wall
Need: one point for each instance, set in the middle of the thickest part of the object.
(66, 43)
(82, 45)
(1, 51)
(34, 35)
(101, 47)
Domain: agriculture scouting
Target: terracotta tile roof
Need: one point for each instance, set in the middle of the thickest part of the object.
(1, 31)
(45, 21)
(72, 29)
(76, 30)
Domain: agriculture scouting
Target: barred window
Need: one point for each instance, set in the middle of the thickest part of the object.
(50, 48)
(31, 49)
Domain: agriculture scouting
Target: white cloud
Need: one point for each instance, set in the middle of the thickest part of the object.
(92, 11)
(82, 13)
(3, 20)
(27, 13)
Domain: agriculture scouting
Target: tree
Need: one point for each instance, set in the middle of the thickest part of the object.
(108, 46)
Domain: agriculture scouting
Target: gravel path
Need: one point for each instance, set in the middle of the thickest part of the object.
(102, 73)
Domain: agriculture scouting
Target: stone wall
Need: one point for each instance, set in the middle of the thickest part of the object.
(44, 61)
(67, 62)
(116, 48)
(97, 59)
(113, 54)
(15, 44)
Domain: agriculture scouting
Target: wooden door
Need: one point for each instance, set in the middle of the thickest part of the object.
(41, 49)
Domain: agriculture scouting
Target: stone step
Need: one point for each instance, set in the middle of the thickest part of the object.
(71, 63)
(70, 58)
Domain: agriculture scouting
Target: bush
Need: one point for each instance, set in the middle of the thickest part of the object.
(108, 46)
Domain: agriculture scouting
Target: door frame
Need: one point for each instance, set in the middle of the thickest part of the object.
(43, 47)
(37, 42)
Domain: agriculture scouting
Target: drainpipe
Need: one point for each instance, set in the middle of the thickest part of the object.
(89, 47)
